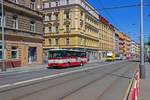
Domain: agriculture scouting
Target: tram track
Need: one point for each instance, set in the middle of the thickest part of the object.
(113, 83)
(95, 80)
(69, 84)
(87, 73)
(53, 78)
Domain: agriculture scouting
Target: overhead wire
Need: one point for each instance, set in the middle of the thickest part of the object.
(108, 8)
(108, 13)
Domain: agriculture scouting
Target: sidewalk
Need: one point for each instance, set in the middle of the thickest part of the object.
(145, 84)
(24, 69)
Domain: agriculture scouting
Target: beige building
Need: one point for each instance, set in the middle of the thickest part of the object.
(23, 32)
(106, 37)
(71, 24)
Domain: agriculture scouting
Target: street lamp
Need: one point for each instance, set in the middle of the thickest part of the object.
(142, 66)
(3, 39)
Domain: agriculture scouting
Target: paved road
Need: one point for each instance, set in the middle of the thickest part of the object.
(97, 82)
(13, 77)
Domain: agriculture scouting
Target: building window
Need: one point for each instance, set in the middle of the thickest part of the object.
(56, 4)
(15, 1)
(67, 41)
(67, 2)
(1, 19)
(46, 4)
(1, 52)
(53, 29)
(50, 16)
(56, 16)
(14, 52)
(67, 28)
(67, 15)
(57, 29)
(32, 26)
(32, 4)
(81, 23)
(15, 22)
(46, 18)
(50, 29)
(49, 40)
(81, 14)
(57, 41)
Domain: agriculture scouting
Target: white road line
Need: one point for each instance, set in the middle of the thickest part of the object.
(6, 85)
(51, 76)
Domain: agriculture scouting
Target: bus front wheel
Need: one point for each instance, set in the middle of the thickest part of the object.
(68, 64)
(81, 64)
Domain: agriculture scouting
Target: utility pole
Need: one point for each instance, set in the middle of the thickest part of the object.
(3, 38)
(142, 66)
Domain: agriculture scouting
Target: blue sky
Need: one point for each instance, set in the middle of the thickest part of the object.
(125, 19)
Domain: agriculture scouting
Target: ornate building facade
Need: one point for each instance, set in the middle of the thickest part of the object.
(71, 24)
(23, 25)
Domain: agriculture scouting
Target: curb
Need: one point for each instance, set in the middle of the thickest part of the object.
(130, 86)
(135, 91)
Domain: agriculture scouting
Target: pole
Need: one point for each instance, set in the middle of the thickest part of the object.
(142, 66)
(3, 39)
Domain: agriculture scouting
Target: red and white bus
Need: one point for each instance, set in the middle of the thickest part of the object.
(66, 58)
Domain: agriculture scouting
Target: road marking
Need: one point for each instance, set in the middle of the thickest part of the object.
(54, 75)
(6, 85)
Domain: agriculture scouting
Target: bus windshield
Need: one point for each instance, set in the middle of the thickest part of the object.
(55, 54)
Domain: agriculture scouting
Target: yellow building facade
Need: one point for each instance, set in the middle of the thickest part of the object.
(106, 37)
(69, 25)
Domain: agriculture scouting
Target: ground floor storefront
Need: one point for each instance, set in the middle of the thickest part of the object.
(19, 54)
(102, 55)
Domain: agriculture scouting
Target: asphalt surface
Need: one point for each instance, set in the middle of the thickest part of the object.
(107, 81)
(13, 77)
